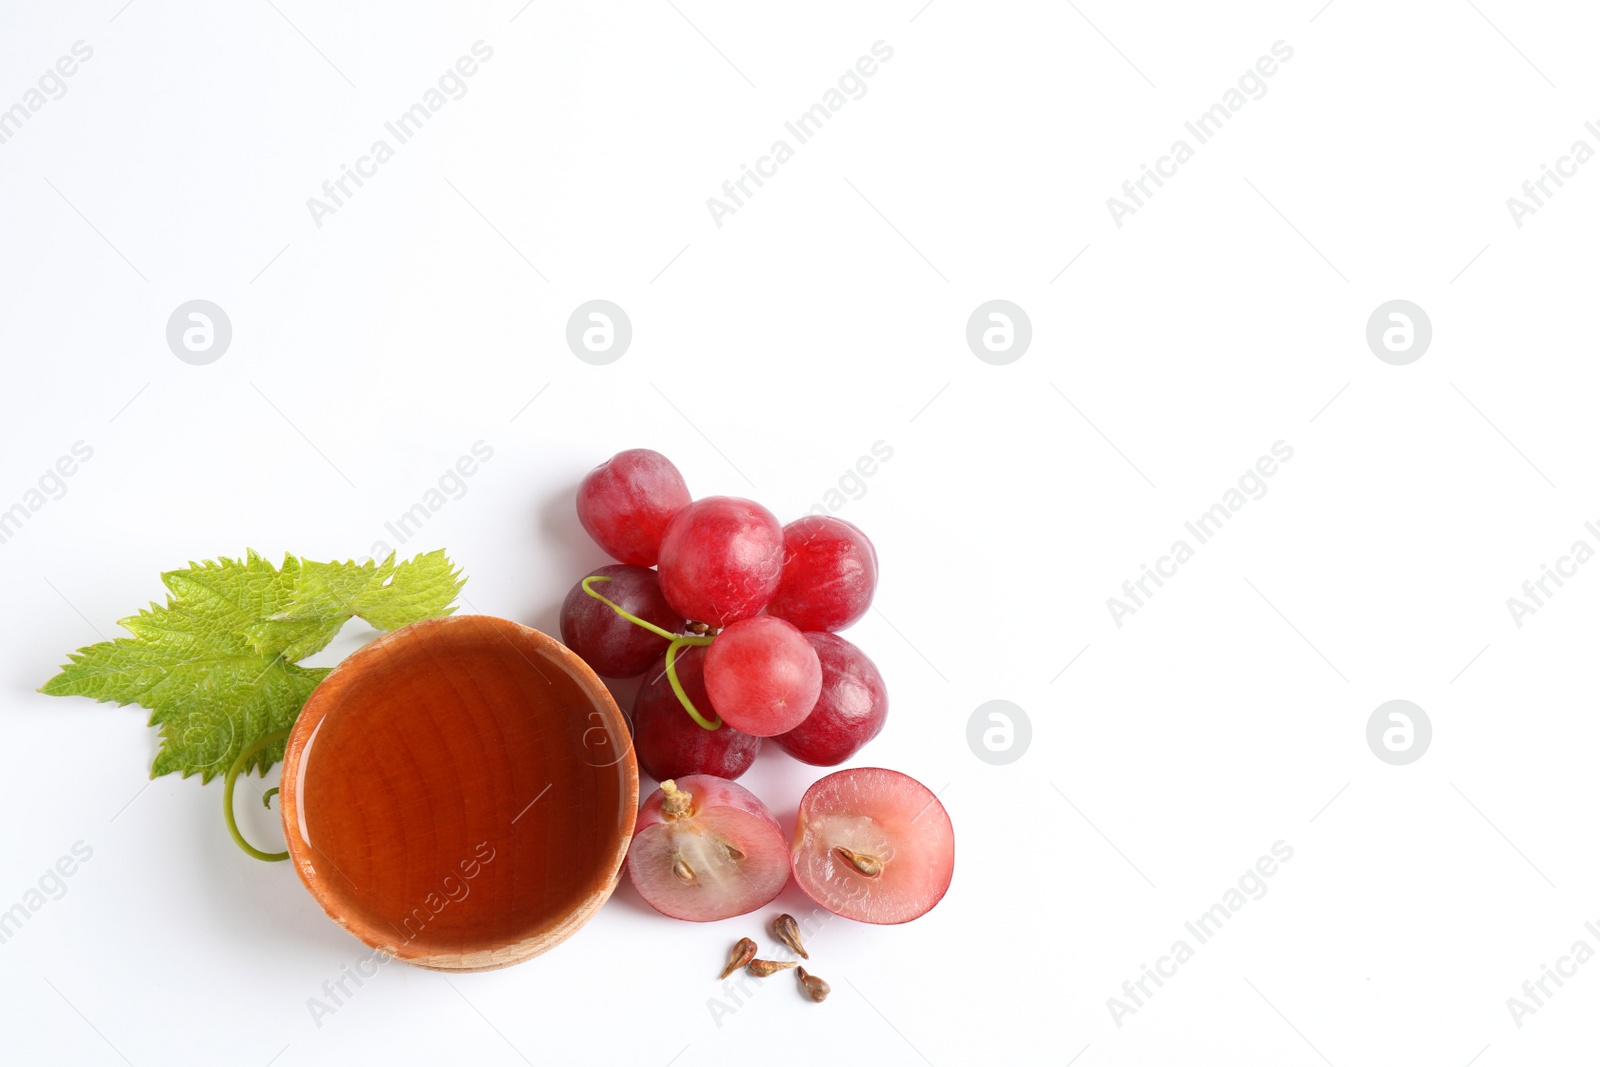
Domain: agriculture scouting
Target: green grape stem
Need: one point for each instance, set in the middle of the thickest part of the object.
(677, 686)
(675, 642)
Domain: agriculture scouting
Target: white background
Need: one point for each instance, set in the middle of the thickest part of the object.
(769, 354)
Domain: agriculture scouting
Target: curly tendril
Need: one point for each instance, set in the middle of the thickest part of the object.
(227, 796)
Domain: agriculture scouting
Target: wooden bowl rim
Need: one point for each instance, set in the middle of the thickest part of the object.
(312, 716)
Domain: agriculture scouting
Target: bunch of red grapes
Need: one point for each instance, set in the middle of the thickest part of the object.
(734, 618)
(720, 561)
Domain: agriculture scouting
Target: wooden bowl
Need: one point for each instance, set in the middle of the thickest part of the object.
(460, 793)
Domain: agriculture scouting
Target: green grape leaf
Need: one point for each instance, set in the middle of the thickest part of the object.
(216, 664)
(386, 595)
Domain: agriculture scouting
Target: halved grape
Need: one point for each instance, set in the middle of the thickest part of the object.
(668, 743)
(626, 503)
(830, 571)
(721, 558)
(874, 845)
(849, 711)
(611, 645)
(763, 675)
(705, 848)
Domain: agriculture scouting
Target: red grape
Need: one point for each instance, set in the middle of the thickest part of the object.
(608, 643)
(626, 503)
(721, 558)
(830, 571)
(669, 743)
(763, 675)
(850, 709)
(873, 845)
(705, 848)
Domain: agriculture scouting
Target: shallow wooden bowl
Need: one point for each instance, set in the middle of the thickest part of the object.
(460, 793)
